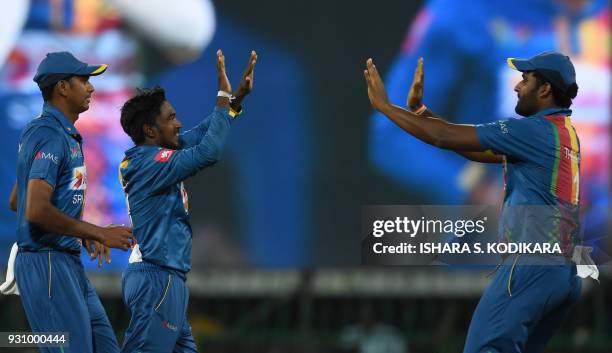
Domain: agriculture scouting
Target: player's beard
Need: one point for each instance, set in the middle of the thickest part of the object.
(527, 103)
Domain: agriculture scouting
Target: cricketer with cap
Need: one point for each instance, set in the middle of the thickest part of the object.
(49, 198)
(530, 294)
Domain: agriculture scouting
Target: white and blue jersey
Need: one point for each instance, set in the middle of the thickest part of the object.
(50, 150)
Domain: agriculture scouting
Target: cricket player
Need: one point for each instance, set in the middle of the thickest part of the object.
(530, 294)
(49, 197)
(152, 175)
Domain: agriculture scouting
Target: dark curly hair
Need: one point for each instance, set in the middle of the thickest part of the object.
(562, 96)
(141, 109)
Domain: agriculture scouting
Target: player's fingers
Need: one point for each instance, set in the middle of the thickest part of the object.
(220, 61)
(253, 59)
(417, 70)
(107, 255)
(372, 67)
(251, 63)
(97, 252)
(421, 71)
(87, 245)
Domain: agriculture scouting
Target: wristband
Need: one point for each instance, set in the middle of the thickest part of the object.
(233, 113)
(226, 95)
(421, 109)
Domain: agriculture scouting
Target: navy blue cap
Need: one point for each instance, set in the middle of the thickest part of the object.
(554, 66)
(59, 65)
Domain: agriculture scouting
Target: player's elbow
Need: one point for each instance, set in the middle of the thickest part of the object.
(212, 156)
(449, 137)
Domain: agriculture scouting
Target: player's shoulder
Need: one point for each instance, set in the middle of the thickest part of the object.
(41, 129)
(40, 122)
(528, 125)
(146, 155)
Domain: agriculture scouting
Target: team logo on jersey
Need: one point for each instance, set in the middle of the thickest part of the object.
(164, 155)
(79, 178)
(44, 155)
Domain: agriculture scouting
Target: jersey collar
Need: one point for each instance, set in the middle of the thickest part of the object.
(553, 111)
(67, 126)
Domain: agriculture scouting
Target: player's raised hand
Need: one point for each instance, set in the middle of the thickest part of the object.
(246, 83)
(376, 88)
(415, 95)
(224, 83)
(115, 236)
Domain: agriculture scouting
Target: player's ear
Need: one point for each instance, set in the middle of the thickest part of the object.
(62, 88)
(545, 90)
(149, 131)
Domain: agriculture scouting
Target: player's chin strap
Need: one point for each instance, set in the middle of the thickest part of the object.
(10, 285)
(585, 266)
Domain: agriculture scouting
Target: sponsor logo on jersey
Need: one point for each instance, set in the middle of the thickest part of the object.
(78, 199)
(44, 155)
(169, 326)
(79, 178)
(164, 155)
(75, 152)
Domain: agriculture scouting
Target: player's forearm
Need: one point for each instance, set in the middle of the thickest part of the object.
(193, 136)
(427, 129)
(482, 157)
(236, 103)
(208, 151)
(51, 219)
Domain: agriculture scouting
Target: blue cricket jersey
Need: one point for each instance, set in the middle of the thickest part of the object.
(542, 177)
(152, 178)
(50, 149)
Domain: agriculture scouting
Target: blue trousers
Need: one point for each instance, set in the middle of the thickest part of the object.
(522, 307)
(57, 297)
(157, 298)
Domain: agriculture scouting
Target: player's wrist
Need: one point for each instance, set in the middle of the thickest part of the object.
(226, 94)
(418, 110)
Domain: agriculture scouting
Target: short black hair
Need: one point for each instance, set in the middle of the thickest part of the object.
(142, 108)
(47, 92)
(562, 97)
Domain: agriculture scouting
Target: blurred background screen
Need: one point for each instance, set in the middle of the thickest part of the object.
(276, 238)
